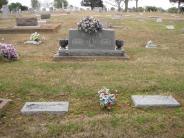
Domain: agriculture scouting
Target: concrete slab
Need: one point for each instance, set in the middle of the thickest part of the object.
(154, 101)
(45, 107)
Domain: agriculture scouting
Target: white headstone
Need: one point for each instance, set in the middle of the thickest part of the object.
(170, 27)
(5, 11)
(154, 101)
(45, 107)
(159, 20)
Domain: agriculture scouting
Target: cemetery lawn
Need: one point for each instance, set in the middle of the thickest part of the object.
(36, 77)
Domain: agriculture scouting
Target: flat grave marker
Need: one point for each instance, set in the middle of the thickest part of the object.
(4, 102)
(170, 27)
(45, 107)
(142, 101)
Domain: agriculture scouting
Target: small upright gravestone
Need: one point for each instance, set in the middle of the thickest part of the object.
(45, 16)
(159, 20)
(5, 11)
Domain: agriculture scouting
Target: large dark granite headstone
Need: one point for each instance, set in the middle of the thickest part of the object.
(27, 21)
(103, 40)
(81, 44)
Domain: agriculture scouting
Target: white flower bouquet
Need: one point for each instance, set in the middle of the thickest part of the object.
(89, 25)
(35, 37)
(106, 99)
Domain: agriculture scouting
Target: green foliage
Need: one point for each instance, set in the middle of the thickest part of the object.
(16, 6)
(151, 9)
(173, 10)
(60, 3)
(3, 2)
(35, 4)
(92, 3)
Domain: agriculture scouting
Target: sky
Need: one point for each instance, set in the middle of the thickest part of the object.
(158, 3)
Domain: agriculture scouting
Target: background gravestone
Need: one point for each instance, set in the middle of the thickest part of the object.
(45, 16)
(5, 11)
(26, 21)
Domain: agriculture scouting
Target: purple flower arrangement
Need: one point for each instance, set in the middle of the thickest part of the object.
(7, 51)
(89, 25)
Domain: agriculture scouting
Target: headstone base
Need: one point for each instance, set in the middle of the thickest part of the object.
(115, 54)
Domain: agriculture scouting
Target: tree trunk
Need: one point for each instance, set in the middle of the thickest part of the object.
(179, 3)
(126, 5)
(136, 5)
(119, 7)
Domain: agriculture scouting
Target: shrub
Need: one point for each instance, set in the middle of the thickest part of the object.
(89, 25)
(151, 9)
(173, 10)
(7, 51)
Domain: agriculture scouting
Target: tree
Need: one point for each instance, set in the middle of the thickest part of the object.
(35, 4)
(92, 3)
(136, 1)
(16, 6)
(3, 2)
(60, 3)
(179, 3)
(119, 2)
(126, 5)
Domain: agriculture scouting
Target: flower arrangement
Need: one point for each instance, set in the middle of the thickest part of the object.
(35, 37)
(89, 25)
(7, 51)
(106, 99)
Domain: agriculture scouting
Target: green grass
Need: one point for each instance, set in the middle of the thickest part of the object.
(36, 77)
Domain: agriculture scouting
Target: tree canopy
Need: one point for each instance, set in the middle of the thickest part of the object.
(3, 2)
(176, 0)
(92, 3)
(16, 6)
(60, 3)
